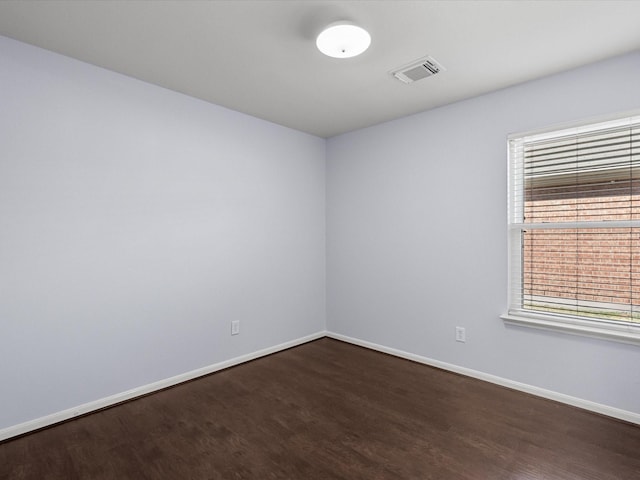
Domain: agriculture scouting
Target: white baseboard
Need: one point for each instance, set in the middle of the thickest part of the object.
(89, 407)
(523, 387)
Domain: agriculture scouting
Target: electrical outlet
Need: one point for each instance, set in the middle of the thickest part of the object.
(461, 334)
(235, 327)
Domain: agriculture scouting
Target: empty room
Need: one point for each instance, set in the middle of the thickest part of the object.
(256, 239)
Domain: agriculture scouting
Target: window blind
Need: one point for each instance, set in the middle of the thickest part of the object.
(574, 222)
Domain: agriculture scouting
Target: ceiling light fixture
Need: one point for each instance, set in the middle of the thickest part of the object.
(343, 40)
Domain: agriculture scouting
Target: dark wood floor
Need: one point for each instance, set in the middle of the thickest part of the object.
(329, 410)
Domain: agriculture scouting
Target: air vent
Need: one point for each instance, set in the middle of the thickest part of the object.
(422, 68)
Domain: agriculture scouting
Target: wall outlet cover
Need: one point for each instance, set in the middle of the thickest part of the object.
(461, 334)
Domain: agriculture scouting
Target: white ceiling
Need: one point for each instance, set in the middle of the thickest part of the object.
(259, 57)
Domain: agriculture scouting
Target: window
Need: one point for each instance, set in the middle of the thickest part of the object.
(574, 230)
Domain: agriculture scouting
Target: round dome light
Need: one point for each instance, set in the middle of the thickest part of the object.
(343, 40)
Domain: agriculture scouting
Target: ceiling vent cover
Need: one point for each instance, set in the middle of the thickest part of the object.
(422, 68)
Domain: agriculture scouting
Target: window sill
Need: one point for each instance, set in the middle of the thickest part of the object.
(617, 333)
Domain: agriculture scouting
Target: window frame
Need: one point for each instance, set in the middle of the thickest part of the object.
(596, 328)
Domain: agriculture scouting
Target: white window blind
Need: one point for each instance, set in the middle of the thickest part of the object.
(574, 224)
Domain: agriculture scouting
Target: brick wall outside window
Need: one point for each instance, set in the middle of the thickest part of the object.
(597, 268)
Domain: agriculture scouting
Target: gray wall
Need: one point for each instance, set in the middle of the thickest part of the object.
(417, 239)
(135, 224)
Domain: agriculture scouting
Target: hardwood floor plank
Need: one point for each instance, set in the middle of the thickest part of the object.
(330, 410)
